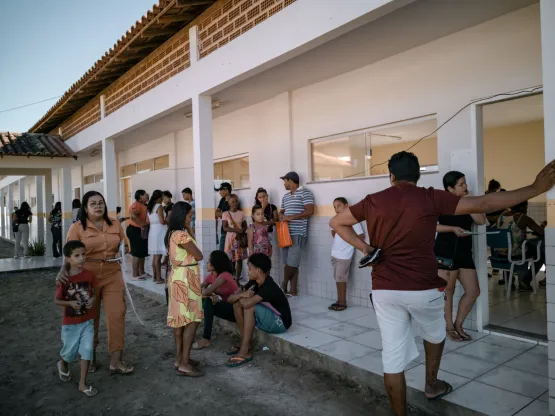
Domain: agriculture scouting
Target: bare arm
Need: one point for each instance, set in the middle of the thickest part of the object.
(497, 201)
(237, 296)
(459, 232)
(193, 250)
(210, 290)
(250, 302)
(342, 224)
(479, 219)
(250, 235)
(135, 216)
(160, 212)
(527, 222)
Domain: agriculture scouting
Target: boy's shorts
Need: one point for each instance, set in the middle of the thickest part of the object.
(341, 269)
(78, 338)
(267, 321)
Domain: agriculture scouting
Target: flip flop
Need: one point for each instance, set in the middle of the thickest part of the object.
(63, 376)
(125, 371)
(237, 361)
(93, 368)
(333, 305)
(197, 347)
(233, 350)
(160, 282)
(196, 373)
(454, 336)
(464, 336)
(339, 308)
(194, 363)
(448, 389)
(137, 278)
(89, 391)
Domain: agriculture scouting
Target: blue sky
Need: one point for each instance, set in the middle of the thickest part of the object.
(45, 46)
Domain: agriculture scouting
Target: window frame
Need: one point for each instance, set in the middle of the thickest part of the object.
(231, 158)
(367, 130)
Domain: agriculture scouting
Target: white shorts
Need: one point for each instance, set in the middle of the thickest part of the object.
(396, 311)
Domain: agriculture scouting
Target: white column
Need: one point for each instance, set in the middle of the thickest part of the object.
(40, 208)
(547, 17)
(21, 185)
(81, 182)
(47, 208)
(66, 197)
(109, 166)
(2, 214)
(204, 173)
(10, 212)
(193, 45)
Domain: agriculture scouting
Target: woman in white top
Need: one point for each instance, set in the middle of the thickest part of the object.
(75, 207)
(156, 234)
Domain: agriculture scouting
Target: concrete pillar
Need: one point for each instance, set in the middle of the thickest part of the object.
(40, 208)
(204, 174)
(66, 197)
(2, 214)
(193, 45)
(110, 170)
(547, 17)
(21, 185)
(47, 208)
(10, 212)
(81, 182)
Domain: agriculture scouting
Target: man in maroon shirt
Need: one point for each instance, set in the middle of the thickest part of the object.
(406, 288)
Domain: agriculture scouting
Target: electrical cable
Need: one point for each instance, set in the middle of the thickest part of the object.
(528, 90)
(28, 105)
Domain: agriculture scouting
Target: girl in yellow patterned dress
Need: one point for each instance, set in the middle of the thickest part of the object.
(184, 291)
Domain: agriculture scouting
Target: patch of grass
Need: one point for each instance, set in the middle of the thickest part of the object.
(37, 248)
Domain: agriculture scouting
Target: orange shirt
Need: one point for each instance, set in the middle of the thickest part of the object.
(100, 245)
(138, 206)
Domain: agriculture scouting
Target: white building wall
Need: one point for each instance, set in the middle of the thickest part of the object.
(90, 169)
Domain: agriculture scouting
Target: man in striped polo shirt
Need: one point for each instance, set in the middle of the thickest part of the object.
(296, 206)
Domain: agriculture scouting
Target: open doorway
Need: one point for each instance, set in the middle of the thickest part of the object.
(513, 153)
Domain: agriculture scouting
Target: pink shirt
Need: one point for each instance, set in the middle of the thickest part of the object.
(225, 290)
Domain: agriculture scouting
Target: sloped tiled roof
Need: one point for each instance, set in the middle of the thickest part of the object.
(34, 144)
(160, 23)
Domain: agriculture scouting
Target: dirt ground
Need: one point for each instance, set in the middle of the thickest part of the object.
(29, 385)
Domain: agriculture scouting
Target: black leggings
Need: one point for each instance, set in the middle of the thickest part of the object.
(56, 241)
(221, 309)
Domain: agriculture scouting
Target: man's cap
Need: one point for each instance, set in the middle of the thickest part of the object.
(225, 185)
(294, 176)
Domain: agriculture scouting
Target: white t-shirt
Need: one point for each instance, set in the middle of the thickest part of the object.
(342, 250)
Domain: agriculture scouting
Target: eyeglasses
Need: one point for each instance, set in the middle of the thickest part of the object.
(94, 205)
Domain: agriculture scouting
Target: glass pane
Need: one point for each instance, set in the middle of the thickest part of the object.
(385, 142)
(162, 162)
(340, 158)
(145, 166)
(129, 170)
(99, 177)
(235, 171)
(88, 179)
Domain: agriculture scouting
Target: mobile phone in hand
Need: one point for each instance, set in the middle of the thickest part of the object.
(370, 259)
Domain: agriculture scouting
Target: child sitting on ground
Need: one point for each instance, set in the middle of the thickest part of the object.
(341, 256)
(78, 299)
(259, 239)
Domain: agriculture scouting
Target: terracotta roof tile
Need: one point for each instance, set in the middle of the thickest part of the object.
(34, 144)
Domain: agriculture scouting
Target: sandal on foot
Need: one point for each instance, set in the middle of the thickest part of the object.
(448, 389)
(197, 347)
(453, 335)
(123, 371)
(63, 376)
(194, 373)
(237, 361)
(194, 363)
(93, 368)
(90, 391)
(137, 278)
(464, 336)
(159, 282)
(339, 308)
(233, 350)
(333, 305)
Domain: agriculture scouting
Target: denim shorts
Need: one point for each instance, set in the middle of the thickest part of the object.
(78, 338)
(267, 321)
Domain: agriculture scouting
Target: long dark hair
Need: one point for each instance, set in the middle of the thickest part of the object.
(83, 210)
(220, 262)
(75, 204)
(25, 208)
(57, 208)
(156, 195)
(451, 178)
(177, 220)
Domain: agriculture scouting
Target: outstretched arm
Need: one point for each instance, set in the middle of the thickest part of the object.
(497, 201)
(342, 224)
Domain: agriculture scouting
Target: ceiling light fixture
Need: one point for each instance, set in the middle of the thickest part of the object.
(215, 104)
